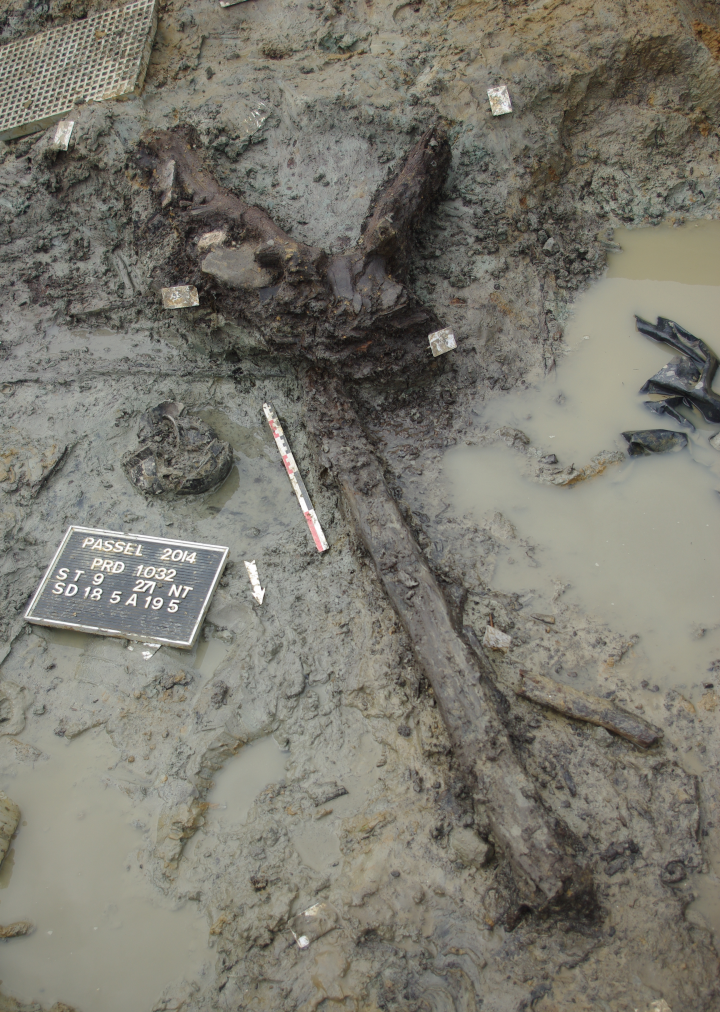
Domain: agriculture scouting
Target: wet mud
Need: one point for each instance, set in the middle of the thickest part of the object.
(295, 760)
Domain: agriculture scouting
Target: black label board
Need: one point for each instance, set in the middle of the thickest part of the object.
(152, 589)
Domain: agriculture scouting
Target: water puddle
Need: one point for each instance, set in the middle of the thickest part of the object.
(241, 779)
(73, 649)
(254, 500)
(67, 639)
(318, 842)
(705, 910)
(217, 499)
(251, 442)
(634, 543)
(104, 940)
(689, 255)
(209, 655)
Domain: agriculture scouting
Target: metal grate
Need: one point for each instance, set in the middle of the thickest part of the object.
(103, 56)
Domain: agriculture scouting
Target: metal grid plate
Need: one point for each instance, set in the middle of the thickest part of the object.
(104, 56)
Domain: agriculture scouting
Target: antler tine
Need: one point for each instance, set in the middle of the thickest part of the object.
(388, 227)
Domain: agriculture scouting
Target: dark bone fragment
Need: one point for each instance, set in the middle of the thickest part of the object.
(461, 680)
(691, 377)
(354, 315)
(680, 374)
(177, 453)
(647, 441)
(668, 406)
(582, 706)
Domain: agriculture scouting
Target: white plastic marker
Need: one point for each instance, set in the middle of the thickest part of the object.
(499, 98)
(442, 341)
(295, 480)
(258, 592)
(180, 297)
(63, 132)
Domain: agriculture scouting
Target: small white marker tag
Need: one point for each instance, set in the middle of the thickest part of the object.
(63, 133)
(180, 297)
(499, 98)
(442, 341)
(258, 591)
(147, 650)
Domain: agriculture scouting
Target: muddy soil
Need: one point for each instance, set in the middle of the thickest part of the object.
(305, 109)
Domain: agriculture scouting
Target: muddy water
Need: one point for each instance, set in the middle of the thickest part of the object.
(636, 544)
(318, 842)
(254, 501)
(76, 874)
(236, 787)
(240, 781)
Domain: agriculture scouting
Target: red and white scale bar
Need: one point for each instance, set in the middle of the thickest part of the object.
(295, 480)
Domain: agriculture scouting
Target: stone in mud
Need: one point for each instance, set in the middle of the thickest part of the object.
(9, 819)
(545, 469)
(13, 703)
(16, 929)
(571, 475)
(495, 639)
(500, 527)
(469, 848)
(174, 826)
(322, 793)
(209, 240)
(236, 267)
(25, 467)
(178, 453)
(219, 695)
(75, 728)
(647, 441)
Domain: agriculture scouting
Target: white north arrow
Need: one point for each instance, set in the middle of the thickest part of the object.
(252, 571)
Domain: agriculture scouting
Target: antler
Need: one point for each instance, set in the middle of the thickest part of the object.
(355, 313)
(353, 308)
